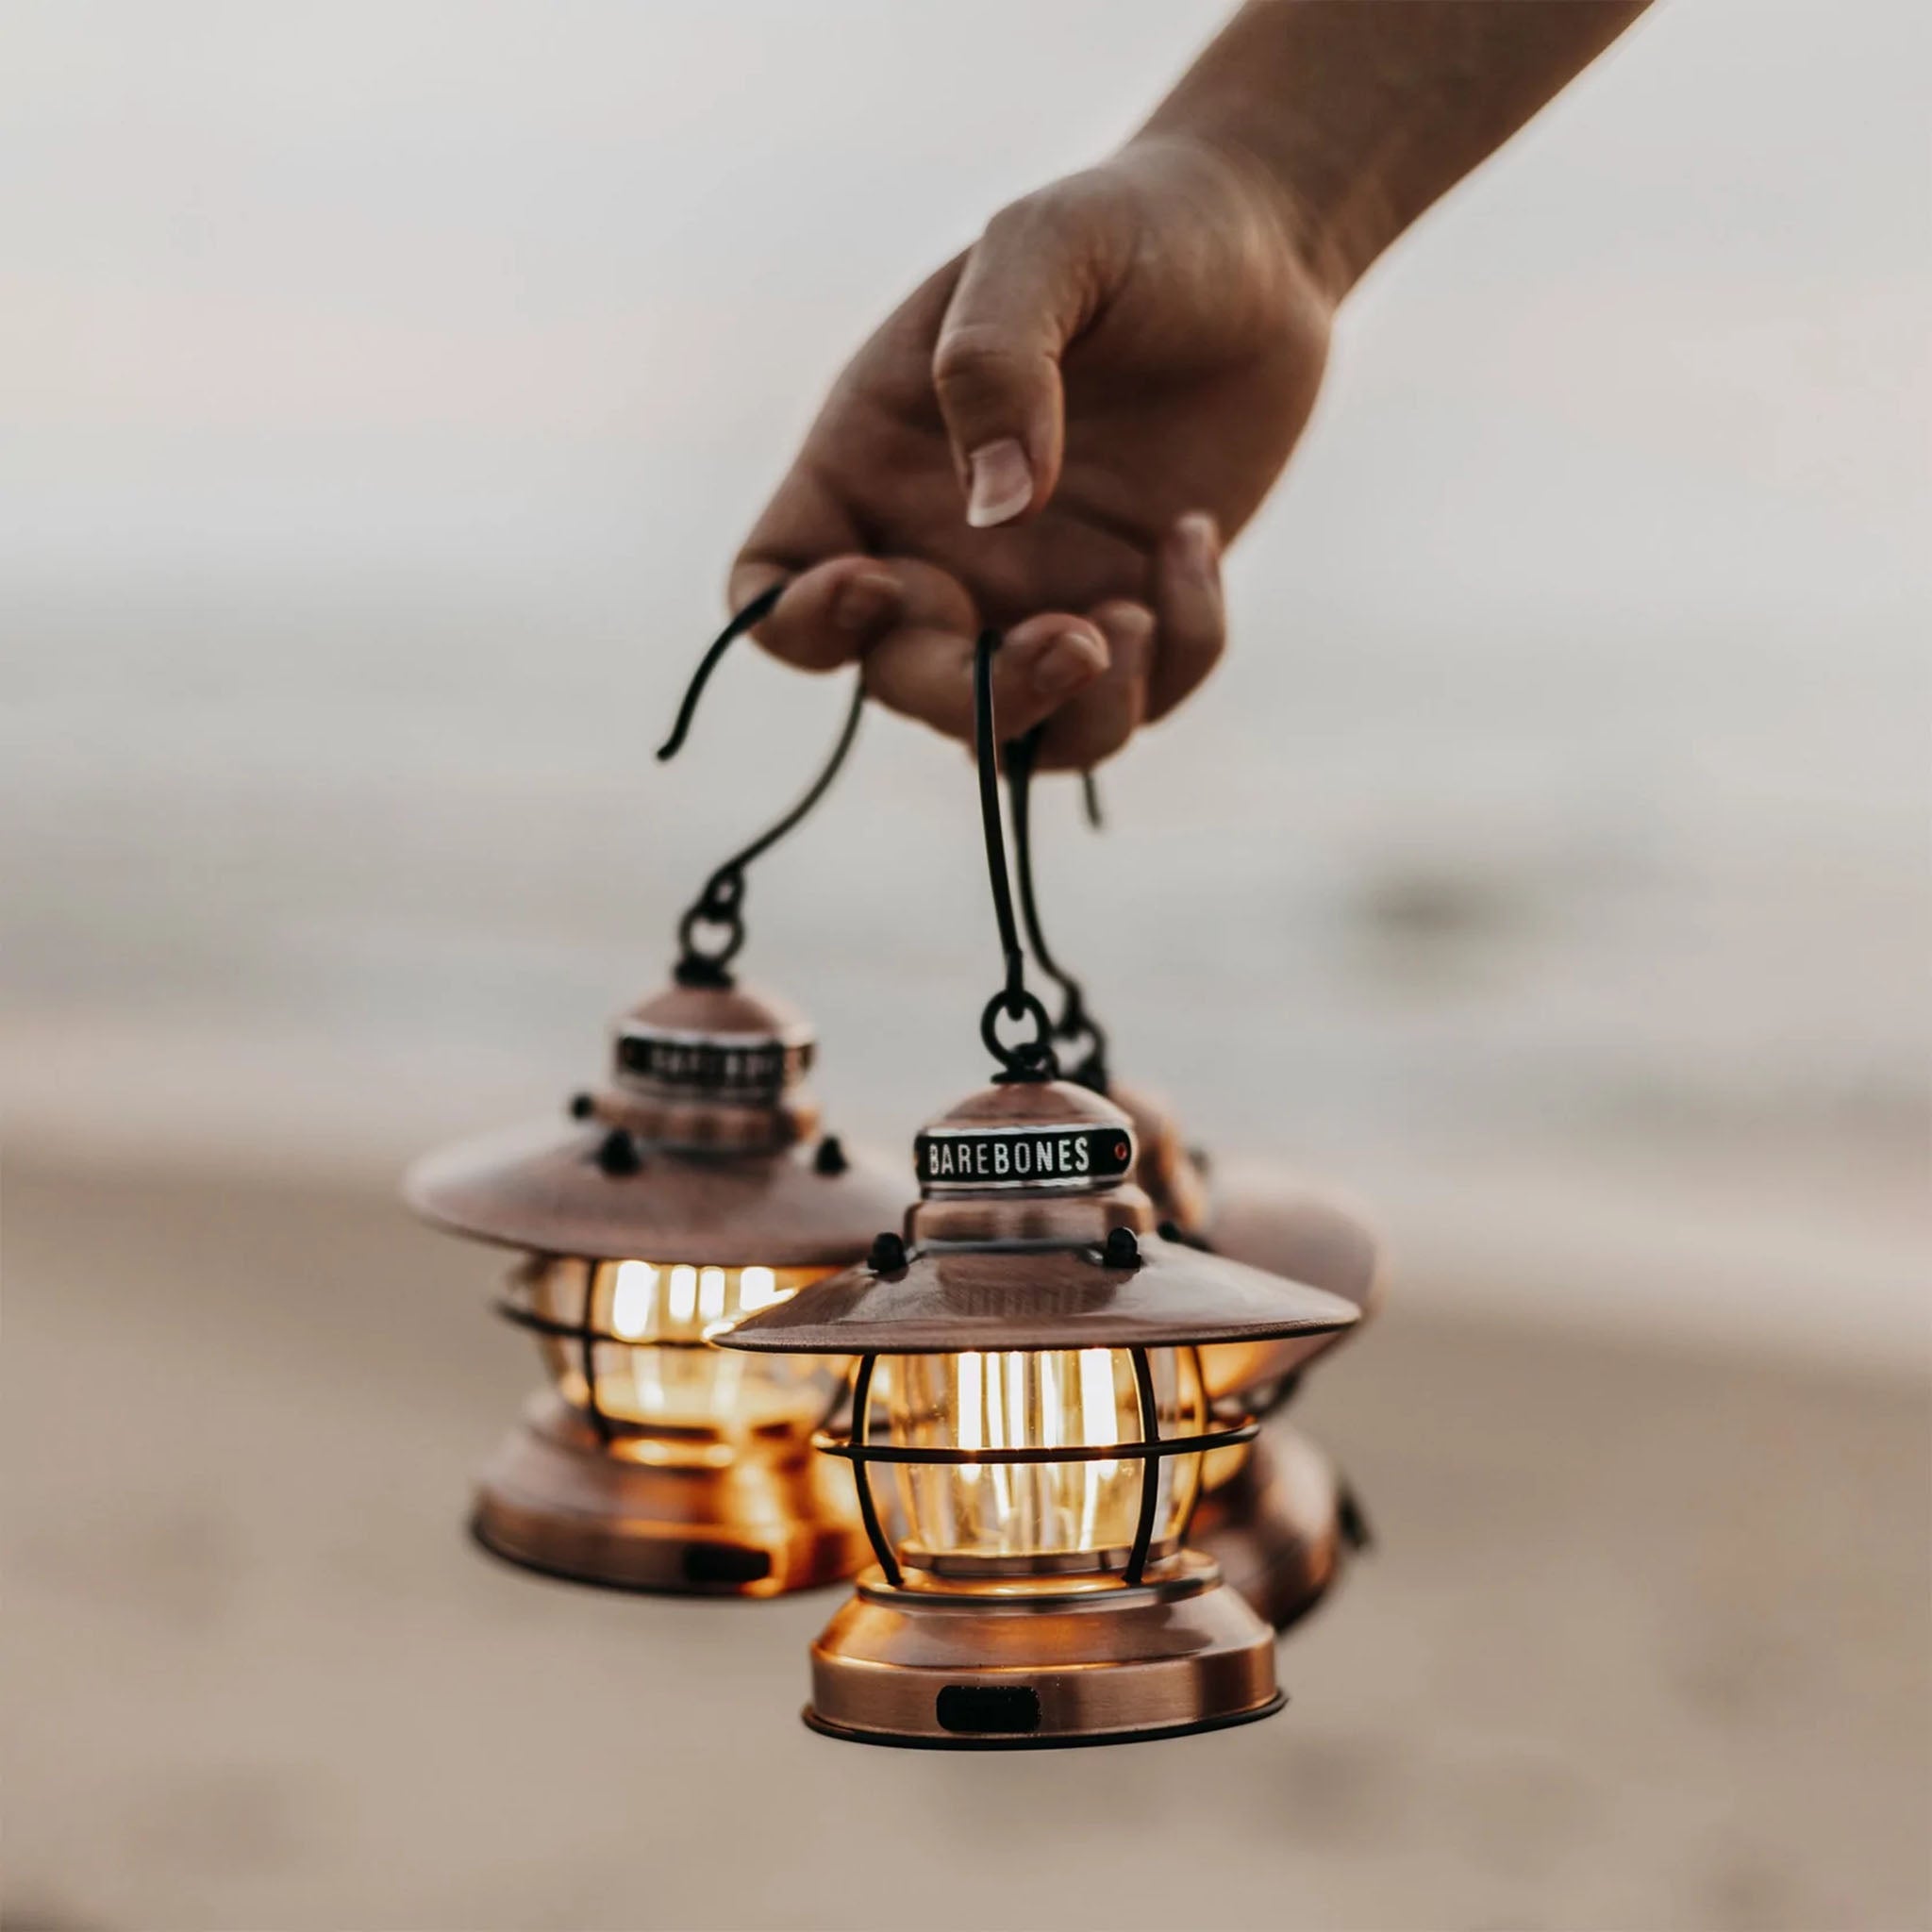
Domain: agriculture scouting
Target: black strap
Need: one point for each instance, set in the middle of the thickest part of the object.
(1075, 1024)
(1029, 1060)
(721, 903)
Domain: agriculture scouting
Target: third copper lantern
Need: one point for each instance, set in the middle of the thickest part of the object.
(1276, 1513)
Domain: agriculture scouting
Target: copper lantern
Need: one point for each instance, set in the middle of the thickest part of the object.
(1027, 1372)
(692, 1189)
(1276, 1514)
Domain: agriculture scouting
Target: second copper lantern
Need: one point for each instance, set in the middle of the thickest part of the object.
(694, 1186)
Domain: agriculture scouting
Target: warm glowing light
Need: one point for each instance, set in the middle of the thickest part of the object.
(710, 1294)
(660, 1373)
(1099, 1418)
(962, 1518)
(972, 1425)
(684, 1293)
(632, 1299)
(758, 1288)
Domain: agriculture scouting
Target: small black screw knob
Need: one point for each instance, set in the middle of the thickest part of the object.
(888, 1255)
(582, 1105)
(617, 1153)
(830, 1159)
(1351, 1521)
(1121, 1250)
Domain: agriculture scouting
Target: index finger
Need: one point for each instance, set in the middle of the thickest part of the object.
(839, 601)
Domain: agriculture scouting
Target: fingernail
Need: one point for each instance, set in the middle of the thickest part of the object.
(865, 601)
(1001, 483)
(1199, 537)
(1070, 660)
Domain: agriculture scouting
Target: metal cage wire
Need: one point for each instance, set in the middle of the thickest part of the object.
(856, 1446)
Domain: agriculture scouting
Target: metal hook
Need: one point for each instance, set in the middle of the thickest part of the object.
(1075, 1023)
(722, 901)
(1032, 1060)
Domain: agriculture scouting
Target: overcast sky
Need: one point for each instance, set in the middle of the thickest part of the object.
(458, 287)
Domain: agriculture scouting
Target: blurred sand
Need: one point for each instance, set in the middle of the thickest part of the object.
(1644, 1642)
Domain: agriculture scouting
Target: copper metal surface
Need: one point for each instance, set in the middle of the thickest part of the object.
(1042, 1283)
(1286, 1227)
(947, 1300)
(1269, 1515)
(1178, 1652)
(1274, 1526)
(1267, 1219)
(774, 1518)
(541, 1187)
(1033, 1103)
(1167, 1170)
(719, 1012)
(710, 1177)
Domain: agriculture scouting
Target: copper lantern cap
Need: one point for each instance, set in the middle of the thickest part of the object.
(701, 1146)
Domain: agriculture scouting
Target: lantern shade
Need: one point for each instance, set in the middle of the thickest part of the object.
(543, 1187)
(1276, 1222)
(952, 1300)
(714, 1158)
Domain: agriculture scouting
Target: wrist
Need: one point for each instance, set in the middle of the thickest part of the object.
(1321, 214)
(1360, 116)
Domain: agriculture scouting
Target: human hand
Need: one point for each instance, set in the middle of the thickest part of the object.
(1055, 435)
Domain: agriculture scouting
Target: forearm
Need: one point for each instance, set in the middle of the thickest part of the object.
(1362, 112)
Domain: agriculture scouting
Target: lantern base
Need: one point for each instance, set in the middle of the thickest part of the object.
(971, 1669)
(555, 1499)
(1278, 1527)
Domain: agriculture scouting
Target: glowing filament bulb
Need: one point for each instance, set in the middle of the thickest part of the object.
(710, 1294)
(971, 1426)
(1096, 1397)
(996, 1437)
(643, 1318)
(1098, 1425)
(682, 1303)
(758, 1288)
(1098, 1420)
(1050, 1419)
(1069, 1491)
(632, 1299)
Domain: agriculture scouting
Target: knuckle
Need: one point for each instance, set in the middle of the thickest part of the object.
(978, 356)
(1204, 648)
(1084, 736)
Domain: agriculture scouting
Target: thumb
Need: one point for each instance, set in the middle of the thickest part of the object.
(1020, 299)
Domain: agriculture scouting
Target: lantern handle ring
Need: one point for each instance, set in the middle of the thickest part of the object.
(1034, 1059)
(721, 903)
(1076, 1025)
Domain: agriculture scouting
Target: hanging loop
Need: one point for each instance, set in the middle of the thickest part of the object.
(754, 613)
(1027, 1060)
(1075, 1028)
(720, 905)
(1033, 1059)
(717, 907)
